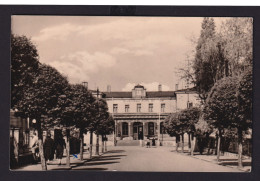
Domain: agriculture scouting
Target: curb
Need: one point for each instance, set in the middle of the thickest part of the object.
(215, 162)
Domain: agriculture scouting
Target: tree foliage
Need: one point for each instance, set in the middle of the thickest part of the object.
(24, 66)
(221, 108)
(182, 122)
(99, 115)
(245, 96)
(209, 64)
(42, 95)
(237, 37)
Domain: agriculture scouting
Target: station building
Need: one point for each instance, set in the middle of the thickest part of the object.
(139, 113)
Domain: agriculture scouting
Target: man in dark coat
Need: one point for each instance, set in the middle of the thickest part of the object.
(60, 145)
(48, 147)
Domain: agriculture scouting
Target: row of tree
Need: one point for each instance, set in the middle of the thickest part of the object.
(39, 90)
(222, 74)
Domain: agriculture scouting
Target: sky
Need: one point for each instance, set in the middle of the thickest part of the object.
(116, 51)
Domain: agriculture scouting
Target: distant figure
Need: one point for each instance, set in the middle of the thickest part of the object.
(59, 146)
(153, 142)
(48, 147)
(178, 139)
(148, 144)
(35, 147)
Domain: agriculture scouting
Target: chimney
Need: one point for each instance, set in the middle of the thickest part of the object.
(85, 84)
(159, 87)
(108, 88)
(176, 87)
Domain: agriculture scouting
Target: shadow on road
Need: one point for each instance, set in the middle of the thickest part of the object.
(92, 169)
(116, 151)
(104, 159)
(110, 156)
(232, 163)
(99, 163)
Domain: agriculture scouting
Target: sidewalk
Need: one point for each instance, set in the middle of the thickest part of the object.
(54, 165)
(228, 160)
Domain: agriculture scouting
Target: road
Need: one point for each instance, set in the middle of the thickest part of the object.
(162, 159)
(136, 158)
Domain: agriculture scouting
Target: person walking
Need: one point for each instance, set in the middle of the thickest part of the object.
(48, 147)
(60, 145)
(35, 147)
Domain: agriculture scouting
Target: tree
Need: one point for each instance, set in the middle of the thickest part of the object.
(82, 100)
(221, 106)
(40, 98)
(189, 117)
(101, 118)
(106, 128)
(99, 113)
(24, 66)
(244, 120)
(209, 64)
(174, 127)
(237, 37)
(64, 115)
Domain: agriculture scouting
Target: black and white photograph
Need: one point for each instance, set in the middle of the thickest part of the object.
(131, 93)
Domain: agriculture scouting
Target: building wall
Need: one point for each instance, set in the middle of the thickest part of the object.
(170, 104)
(183, 98)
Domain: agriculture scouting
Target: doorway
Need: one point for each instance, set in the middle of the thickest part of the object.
(138, 131)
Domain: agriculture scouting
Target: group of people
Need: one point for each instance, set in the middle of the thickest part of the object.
(148, 144)
(50, 147)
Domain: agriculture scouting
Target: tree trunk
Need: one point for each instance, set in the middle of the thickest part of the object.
(189, 142)
(91, 144)
(68, 148)
(40, 143)
(182, 143)
(105, 143)
(81, 144)
(218, 148)
(177, 142)
(240, 148)
(102, 144)
(97, 145)
(192, 144)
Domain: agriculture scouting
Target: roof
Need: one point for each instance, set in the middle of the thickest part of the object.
(139, 86)
(149, 94)
(193, 89)
(118, 94)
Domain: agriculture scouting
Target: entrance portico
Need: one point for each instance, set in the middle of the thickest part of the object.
(138, 127)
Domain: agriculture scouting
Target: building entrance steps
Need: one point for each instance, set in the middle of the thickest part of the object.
(128, 143)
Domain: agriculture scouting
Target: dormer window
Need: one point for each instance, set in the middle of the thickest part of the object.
(139, 91)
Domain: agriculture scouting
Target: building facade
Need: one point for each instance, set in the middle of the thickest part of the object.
(139, 113)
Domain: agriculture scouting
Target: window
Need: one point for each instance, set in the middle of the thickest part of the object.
(126, 108)
(138, 107)
(150, 128)
(115, 108)
(162, 107)
(189, 104)
(162, 128)
(150, 107)
(125, 128)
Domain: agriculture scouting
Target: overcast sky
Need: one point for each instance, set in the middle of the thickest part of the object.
(116, 51)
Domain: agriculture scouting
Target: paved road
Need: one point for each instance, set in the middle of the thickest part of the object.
(134, 158)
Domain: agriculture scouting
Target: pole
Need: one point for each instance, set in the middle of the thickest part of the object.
(159, 127)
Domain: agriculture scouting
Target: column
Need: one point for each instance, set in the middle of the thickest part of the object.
(129, 129)
(158, 129)
(115, 133)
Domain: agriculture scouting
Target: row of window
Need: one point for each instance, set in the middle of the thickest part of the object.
(138, 108)
(135, 130)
